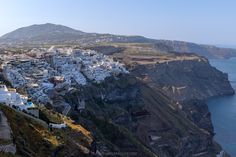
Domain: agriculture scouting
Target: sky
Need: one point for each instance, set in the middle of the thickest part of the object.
(200, 21)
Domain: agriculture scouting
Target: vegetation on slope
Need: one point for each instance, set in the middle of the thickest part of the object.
(33, 139)
(50, 116)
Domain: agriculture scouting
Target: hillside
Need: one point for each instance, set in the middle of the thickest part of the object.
(125, 116)
(40, 32)
(32, 138)
(142, 120)
(126, 112)
(48, 34)
(58, 34)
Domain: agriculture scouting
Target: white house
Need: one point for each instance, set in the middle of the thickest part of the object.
(57, 126)
(5, 95)
(13, 99)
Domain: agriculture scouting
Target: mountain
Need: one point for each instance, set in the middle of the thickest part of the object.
(58, 34)
(42, 33)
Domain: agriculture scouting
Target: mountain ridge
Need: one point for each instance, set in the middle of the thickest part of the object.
(48, 34)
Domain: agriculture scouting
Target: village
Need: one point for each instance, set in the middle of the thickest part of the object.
(45, 75)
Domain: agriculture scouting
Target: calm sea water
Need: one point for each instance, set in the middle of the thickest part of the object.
(223, 110)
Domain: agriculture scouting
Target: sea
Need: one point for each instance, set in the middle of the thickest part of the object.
(223, 109)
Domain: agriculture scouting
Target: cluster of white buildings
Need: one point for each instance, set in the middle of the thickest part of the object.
(46, 70)
(19, 102)
(13, 99)
(97, 67)
(69, 68)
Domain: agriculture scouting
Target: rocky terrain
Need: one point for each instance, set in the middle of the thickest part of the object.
(187, 79)
(144, 121)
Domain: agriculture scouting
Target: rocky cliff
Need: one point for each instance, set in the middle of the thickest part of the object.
(185, 79)
(188, 81)
(152, 111)
(144, 122)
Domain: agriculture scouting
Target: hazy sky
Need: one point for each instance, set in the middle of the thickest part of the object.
(201, 21)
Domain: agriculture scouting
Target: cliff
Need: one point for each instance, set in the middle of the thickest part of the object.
(185, 79)
(143, 121)
(188, 80)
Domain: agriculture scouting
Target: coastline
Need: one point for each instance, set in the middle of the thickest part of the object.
(222, 108)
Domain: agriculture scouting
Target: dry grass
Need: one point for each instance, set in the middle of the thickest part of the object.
(77, 128)
(29, 134)
(31, 137)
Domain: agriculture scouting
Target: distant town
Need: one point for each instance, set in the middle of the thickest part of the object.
(44, 74)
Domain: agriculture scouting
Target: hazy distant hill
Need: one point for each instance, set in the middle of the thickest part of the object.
(208, 51)
(42, 32)
(58, 34)
(45, 33)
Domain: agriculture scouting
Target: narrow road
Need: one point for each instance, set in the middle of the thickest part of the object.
(5, 135)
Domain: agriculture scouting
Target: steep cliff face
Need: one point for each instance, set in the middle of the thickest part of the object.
(197, 111)
(126, 115)
(186, 79)
(188, 82)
